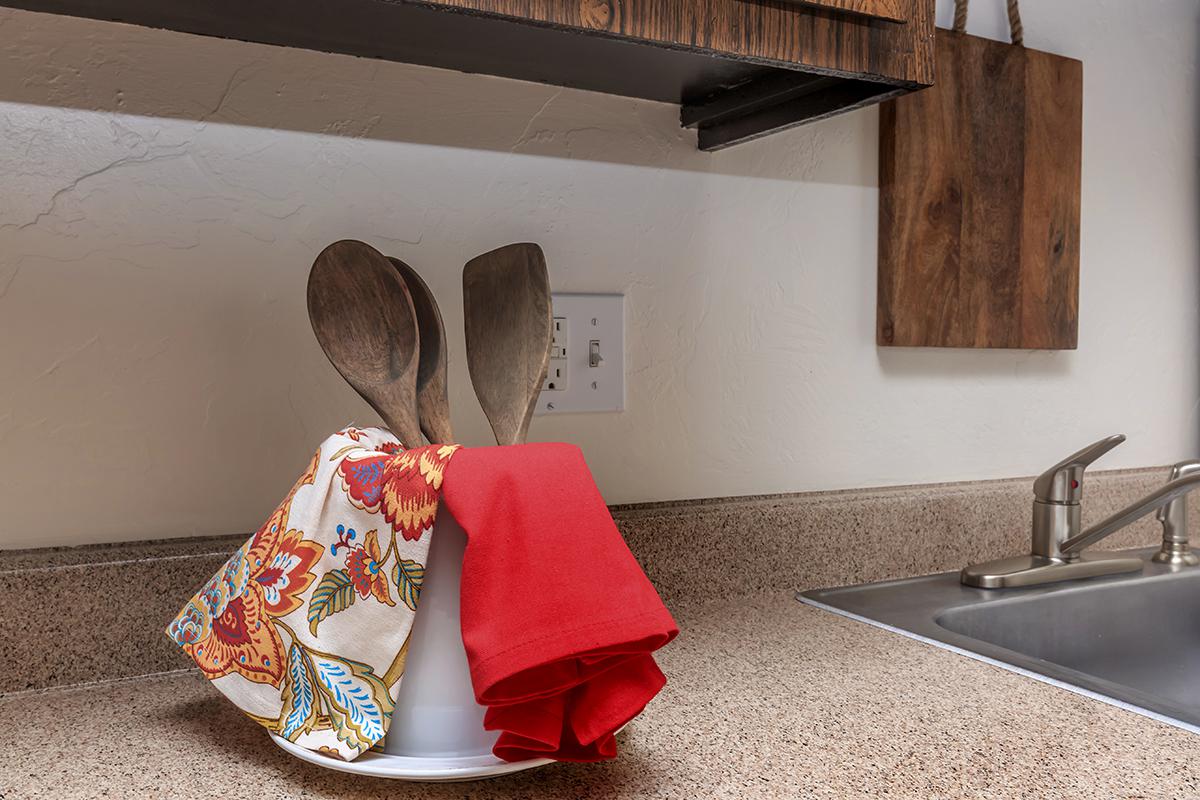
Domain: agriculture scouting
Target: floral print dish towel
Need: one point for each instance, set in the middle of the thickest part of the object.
(280, 628)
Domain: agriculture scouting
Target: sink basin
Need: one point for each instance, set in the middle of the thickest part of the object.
(1131, 640)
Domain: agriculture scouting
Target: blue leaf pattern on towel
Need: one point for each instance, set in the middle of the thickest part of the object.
(298, 696)
(358, 701)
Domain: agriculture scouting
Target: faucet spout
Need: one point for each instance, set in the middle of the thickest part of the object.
(1131, 513)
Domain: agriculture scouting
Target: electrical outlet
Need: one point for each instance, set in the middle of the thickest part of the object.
(557, 377)
(587, 355)
(559, 334)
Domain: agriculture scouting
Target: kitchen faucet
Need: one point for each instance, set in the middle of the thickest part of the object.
(1056, 553)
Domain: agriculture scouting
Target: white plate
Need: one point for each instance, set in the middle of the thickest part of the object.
(407, 768)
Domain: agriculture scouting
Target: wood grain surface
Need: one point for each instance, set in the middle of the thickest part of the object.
(883, 9)
(688, 52)
(979, 201)
(508, 317)
(433, 405)
(776, 32)
(364, 320)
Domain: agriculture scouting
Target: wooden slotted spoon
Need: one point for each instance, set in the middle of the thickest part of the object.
(364, 319)
(433, 406)
(506, 300)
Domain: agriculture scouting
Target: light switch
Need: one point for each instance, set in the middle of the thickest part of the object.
(587, 355)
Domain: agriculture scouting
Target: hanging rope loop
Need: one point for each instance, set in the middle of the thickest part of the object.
(1015, 30)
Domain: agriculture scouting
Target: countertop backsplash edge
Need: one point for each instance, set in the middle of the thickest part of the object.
(80, 614)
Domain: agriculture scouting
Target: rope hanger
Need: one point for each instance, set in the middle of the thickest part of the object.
(1016, 32)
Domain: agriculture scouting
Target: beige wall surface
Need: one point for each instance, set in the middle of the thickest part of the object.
(164, 195)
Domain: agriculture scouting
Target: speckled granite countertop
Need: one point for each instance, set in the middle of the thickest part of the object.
(767, 698)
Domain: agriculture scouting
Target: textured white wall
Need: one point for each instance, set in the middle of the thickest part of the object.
(163, 197)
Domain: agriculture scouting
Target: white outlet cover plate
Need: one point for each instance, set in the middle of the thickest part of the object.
(589, 389)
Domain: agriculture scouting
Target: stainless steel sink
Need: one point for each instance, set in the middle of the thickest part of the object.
(1132, 640)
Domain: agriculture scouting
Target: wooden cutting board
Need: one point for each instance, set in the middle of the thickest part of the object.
(979, 201)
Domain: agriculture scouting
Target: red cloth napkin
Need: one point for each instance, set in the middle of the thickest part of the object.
(558, 619)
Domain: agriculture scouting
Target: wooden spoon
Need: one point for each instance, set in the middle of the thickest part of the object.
(506, 299)
(363, 317)
(433, 407)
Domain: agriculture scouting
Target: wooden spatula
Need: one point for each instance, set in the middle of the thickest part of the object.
(506, 299)
(433, 407)
(363, 317)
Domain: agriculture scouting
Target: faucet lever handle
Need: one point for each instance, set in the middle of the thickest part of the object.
(1063, 483)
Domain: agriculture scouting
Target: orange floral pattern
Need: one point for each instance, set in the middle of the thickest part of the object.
(404, 486)
(364, 564)
(328, 688)
(241, 640)
(229, 630)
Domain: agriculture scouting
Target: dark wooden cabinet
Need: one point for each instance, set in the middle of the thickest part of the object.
(895, 10)
(739, 69)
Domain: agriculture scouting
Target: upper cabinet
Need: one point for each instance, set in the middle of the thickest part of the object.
(739, 69)
(894, 10)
